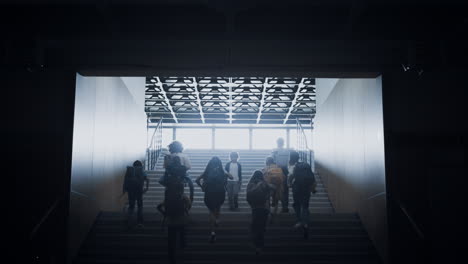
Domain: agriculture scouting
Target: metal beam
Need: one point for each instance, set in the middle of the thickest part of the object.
(298, 92)
(230, 100)
(262, 101)
(159, 83)
(198, 100)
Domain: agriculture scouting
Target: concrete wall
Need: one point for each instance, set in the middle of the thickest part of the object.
(349, 152)
(109, 134)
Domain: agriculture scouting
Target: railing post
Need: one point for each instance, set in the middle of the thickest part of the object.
(213, 138)
(250, 138)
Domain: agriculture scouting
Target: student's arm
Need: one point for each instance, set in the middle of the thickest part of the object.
(191, 188)
(197, 181)
(226, 167)
(145, 177)
(291, 178)
(124, 186)
(239, 172)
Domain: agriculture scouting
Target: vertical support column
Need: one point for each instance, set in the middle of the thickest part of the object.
(250, 138)
(288, 145)
(174, 134)
(213, 137)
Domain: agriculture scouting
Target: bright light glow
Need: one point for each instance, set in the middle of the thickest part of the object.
(266, 138)
(232, 138)
(194, 138)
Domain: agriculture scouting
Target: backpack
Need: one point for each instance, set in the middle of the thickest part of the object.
(281, 157)
(215, 181)
(274, 176)
(303, 175)
(134, 177)
(175, 172)
(257, 194)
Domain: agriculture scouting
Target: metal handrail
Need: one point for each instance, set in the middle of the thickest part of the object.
(44, 217)
(305, 153)
(154, 148)
(411, 220)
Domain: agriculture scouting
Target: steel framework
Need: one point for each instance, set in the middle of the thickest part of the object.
(230, 100)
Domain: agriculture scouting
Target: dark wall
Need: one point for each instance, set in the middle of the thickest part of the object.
(424, 132)
(425, 142)
(38, 133)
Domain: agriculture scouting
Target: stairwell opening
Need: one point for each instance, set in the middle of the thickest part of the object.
(336, 124)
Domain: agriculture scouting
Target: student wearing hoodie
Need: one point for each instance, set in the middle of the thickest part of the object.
(134, 180)
(233, 186)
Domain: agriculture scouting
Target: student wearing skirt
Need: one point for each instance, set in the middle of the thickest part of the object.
(213, 183)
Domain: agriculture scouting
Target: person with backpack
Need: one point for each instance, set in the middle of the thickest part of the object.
(175, 210)
(134, 180)
(273, 174)
(214, 185)
(281, 158)
(234, 168)
(302, 181)
(175, 150)
(258, 197)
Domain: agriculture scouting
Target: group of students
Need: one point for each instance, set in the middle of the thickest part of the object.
(265, 189)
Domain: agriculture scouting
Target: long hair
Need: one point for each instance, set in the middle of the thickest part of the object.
(293, 157)
(214, 163)
(257, 176)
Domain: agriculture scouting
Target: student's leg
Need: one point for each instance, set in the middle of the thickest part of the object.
(183, 242)
(139, 200)
(131, 204)
(236, 194)
(285, 199)
(297, 205)
(305, 208)
(230, 192)
(171, 243)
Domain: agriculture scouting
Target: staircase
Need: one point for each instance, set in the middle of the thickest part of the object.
(333, 238)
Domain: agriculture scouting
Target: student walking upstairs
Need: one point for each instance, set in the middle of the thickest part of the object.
(258, 197)
(302, 181)
(281, 157)
(274, 175)
(134, 180)
(213, 182)
(234, 168)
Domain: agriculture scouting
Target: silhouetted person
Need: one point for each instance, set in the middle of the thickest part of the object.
(258, 197)
(176, 205)
(273, 174)
(214, 185)
(134, 180)
(175, 150)
(302, 181)
(281, 157)
(175, 209)
(234, 168)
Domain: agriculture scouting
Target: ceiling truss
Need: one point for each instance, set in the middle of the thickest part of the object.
(230, 100)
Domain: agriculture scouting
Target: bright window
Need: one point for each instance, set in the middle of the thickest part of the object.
(266, 138)
(194, 138)
(232, 138)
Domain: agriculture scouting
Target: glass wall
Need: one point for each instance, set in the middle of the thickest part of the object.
(266, 138)
(236, 138)
(195, 138)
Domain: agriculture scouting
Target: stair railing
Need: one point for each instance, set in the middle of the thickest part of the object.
(154, 149)
(305, 153)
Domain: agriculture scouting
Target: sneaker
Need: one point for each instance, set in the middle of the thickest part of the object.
(297, 225)
(212, 237)
(306, 232)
